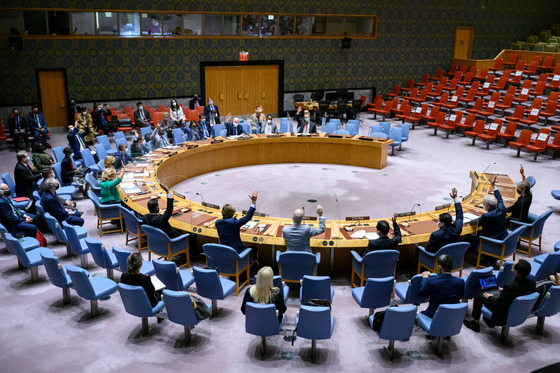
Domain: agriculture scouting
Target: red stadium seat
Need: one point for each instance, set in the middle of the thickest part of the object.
(394, 93)
(468, 124)
(477, 106)
(470, 94)
(449, 125)
(506, 103)
(512, 60)
(483, 74)
(517, 114)
(534, 113)
(438, 76)
(509, 132)
(497, 65)
(438, 122)
(422, 97)
(490, 134)
(477, 130)
(501, 83)
(423, 81)
(540, 143)
(452, 85)
(522, 141)
(161, 108)
(485, 90)
(554, 146)
(549, 111)
(409, 85)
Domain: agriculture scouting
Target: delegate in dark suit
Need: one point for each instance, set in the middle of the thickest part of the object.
(142, 118)
(26, 180)
(447, 233)
(18, 129)
(384, 242)
(442, 289)
(193, 102)
(493, 223)
(52, 205)
(77, 141)
(14, 221)
(306, 127)
(520, 209)
(161, 221)
(234, 130)
(38, 124)
(228, 230)
(208, 111)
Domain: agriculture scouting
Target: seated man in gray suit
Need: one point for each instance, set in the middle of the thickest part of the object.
(297, 235)
(269, 127)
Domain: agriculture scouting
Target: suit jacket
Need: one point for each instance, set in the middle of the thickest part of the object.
(157, 140)
(97, 120)
(209, 129)
(297, 236)
(52, 205)
(67, 171)
(228, 230)
(7, 216)
(273, 127)
(447, 234)
(208, 109)
(122, 160)
(26, 180)
(161, 221)
(192, 103)
(22, 124)
(520, 209)
(301, 125)
(493, 223)
(34, 123)
(232, 130)
(384, 242)
(75, 143)
(142, 123)
(442, 289)
(500, 303)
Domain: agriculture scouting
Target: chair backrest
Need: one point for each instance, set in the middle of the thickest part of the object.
(119, 135)
(145, 130)
(505, 274)
(315, 287)
(104, 140)
(520, 309)
(180, 308)
(81, 281)
(296, 264)
(87, 157)
(385, 127)
(224, 256)
(550, 304)
(135, 300)
(167, 272)
(471, 283)
(537, 225)
(353, 127)
(16, 248)
(55, 270)
(405, 127)
(120, 141)
(132, 223)
(457, 251)
(55, 228)
(178, 137)
(550, 265)
(58, 153)
(396, 135)
(448, 320)
(36, 196)
(219, 127)
(246, 128)
(376, 129)
(107, 211)
(314, 322)
(122, 258)
(377, 292)
(158, 240)
(222, 133)
(413, 291)
(40, 209)
(208, 284)
(330, 127)
(100, 151)
(73, 240)
(92, 181)
(7, 178)
(261, 319)
(524, 137)
(398, 323)
(380, 263)
(379, 135)
(96, 250)
(341, 132)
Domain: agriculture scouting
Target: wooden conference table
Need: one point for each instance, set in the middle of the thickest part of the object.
(192, 159)
(314, 105)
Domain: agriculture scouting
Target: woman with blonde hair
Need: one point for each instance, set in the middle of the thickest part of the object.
(110, 179)
(109, 161)
(264, 292)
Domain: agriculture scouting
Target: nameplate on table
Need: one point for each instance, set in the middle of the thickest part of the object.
(357, 218)
(158, 163)
(336, 136)
(313, 218)
(206, 204)
(441, 207)
(476, 175)
(172, 154)
(216, 141)
(303, 134)
(244, 138)
(466, 197)
(192, 146)
(274, 135)
(365, 138)
(403, 214)
(179, 195)
(261, 214)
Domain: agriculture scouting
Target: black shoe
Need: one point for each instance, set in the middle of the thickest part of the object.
(48, 146)
(488, 322)
(472, 325)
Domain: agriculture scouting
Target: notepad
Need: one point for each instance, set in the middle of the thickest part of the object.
(142, 164)
(556, 78)
(158, 285)
(359, 234)
(130, 188)
(251, 225)
(468, 217)
(535, 112)
(486, 85)
(491, 104)
(372, 236)
(518, 73)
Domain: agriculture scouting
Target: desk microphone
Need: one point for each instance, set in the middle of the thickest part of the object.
(412, 210)
(490, 164)
(203, 201)
(338, 205)
(487, 179)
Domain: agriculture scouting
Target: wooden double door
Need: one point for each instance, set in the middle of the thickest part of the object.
(239, 89)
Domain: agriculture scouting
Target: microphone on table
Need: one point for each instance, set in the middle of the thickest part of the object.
(488, 179)
(338, 205)
(412, 210)
(203, 201)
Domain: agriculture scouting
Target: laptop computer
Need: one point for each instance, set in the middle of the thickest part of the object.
(489, 285)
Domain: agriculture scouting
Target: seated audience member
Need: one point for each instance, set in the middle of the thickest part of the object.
(493, 222)
(161, 221)
(297, 235)
(139, 147)
(208, 109)
(167, 125)
(155, 27)
(229, 226)
(520, 209)
(305, 125)
(38, 125)
(176, 114)
(159, 140)
(110, 179)
(449, 231)
(233, 128)
(442, 289)
(195, 132)
(206, 129)
(257, 120)
(101, 118)
(48, 173)
(499, 303)
(16, 222)
(52, 205)
(69, 174)
(18, 129)
(384, 242)
(109, 162)
(269, 127)
(264, 292)
(133, 277)
(195, 102)
(41, 160)
(25, 177)
(84, 124)
(213, 118)
(122, 158)
(142, 117)
(77, 141)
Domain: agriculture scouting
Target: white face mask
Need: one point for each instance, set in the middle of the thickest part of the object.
(269, 122)
(84, 113)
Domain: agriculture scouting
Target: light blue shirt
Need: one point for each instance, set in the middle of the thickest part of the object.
(297, 236)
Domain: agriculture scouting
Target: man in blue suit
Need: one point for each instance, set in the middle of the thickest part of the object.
(493, 222)
(77, 141)
(229, 226)
(39, 126)
(233, 128)
(53, 206)
(297, 235)
(449, 231)
(443, 288)
(15, 221)
(208, 109)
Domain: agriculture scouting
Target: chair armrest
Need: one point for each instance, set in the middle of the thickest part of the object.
(318, 256)
(492, 240)
(278, 253)
(356, 256)
(423, 250)
(244, 253)
(519, 223)
(180, 238)
(111, 206)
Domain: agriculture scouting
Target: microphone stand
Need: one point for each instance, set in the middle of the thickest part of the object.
(203, 202)
(412, 210)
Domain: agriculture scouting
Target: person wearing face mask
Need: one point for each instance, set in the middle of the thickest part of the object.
(161, 221)
(47, 174)
(195, 102)
(16, 222)
(53, 206)
(102, 118)
(142, 116)
(493, 222)
(232, 126)
(176, 114)
(205, 129)
(305, 125)
(69, 174)
(84, 124)
(39, 126)
(139, 147)
(77, 141)
(18, 129)
(520, 209)
(41, 160)
(269, 127)
(208, 111)
(167, 125)
(384, 242)
(25, 177)
(257, 120)
(449, 231)
(122, 158)
(159, 140)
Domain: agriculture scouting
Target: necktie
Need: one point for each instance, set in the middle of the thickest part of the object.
(306, 128)
(17, 123)
(14, 210)
(28, 168)
(196, 104)
(142, 114)
(163, 140)
(205, 130)
(37, 119)
(81, 141)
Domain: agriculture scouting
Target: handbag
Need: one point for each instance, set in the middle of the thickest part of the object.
(378, 321)
(202, 310)
(42, 240)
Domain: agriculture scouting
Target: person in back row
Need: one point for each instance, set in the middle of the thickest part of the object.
(297, 235)
(449, 231)
(25, 177)
(161, 221)
(443, 288)
(264, 292)
(142, 117)
(16, 222)
(133, 277)
(384, 242)
(229, 226)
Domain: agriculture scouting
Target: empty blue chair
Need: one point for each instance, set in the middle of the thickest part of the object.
(405, 131)
(101, 153)
(353, 126)
(210, 285)
(180, 310)
(178, 137)
(119, 136)
(549, 306)
(58, 153)
(517, 312)
(532, 181)
(145, 130)
(57, 274)
(283, 125)
(218, 127)
(398, 324)
(137, 304)
(262, 320)
(59, 233)
(77, 245)
(316, 287)
(379, 135)
(505, 274)
(7, 179)
(533, 230)
(229, 262)
(375, 129)
(246, 127)
(101, 256)
(555, 193)
(386, 127)
(161, 245)
(376, 293)
(409, 292)
(472, 285)
(104, 140)
(122, 257)
(335, 121)
(106, 213)
(222, 133)
(543, 270)
(91, 288)
(331, 126)
(172, 277)
(456, 250)
(447, 322)
(341, 132)
(380, 263)
(93, 183)
(293, 265)
(133, 226)
(500, 249)
(314, 323)
(30, 259)
(396, 136)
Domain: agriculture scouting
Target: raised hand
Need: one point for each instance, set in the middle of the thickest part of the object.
(453, 194)
(253, 196)
(319, 210)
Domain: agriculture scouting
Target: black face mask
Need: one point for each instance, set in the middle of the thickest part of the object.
(7, 192)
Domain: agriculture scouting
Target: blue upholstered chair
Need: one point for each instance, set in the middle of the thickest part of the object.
(91, 288)
(222, 133)
(532, 181)
(376, 129)
(447, 322)
(180, 310)
(533, 230)
(137, 304)
(89, 161)
(162, 246)
(58, 153)
(376, 293)
(218, 127)
(65, 192)
(57, 274)
(293, 265)
(229, 262)
(30, 259)
(380, 263)
(331, 126)
(262, 320)
(59, 233)
(27, 243)
(104, 140)
(145, 130)
(94, 184)
(101, 256)
(549, 306)
(119, 135)
(246, 127)
(505, 274)
(172, 277)
(284, 126)
(472, 285)
(316, 287)
(101, 154)
(456, 250)
(106, 213)
(409, 292)
(341, 132)
(405, 131)
(353, 126)
(77, 245)
(386, 127)
(314, 323)
(7, 179)
(210, 285)
(178, 137)
(396, 136)
(555, 193)
(397, 325)
(517, 313)
(500, 249)
(122, 258)
(550, 265)
(379, 135)
(133, 226)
